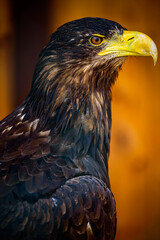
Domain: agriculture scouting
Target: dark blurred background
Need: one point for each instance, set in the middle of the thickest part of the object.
(134, 165)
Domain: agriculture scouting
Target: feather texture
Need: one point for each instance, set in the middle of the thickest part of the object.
(54, 148)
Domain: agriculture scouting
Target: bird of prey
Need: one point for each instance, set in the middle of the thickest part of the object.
(54, 147)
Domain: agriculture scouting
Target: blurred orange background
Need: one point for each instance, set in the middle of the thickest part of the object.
(134, 164)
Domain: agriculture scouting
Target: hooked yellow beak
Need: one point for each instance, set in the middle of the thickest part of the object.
(131, 43)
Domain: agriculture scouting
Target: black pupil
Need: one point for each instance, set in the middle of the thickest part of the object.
(97, 39)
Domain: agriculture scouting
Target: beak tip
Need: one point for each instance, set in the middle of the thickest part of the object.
(155, 61)
(154, 52)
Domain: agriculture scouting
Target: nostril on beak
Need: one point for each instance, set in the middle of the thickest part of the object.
(130, 38)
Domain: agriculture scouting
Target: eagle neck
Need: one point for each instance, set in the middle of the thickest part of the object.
(80, 119)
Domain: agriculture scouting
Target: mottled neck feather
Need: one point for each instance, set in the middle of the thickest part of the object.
(70, 87)
(75, 104)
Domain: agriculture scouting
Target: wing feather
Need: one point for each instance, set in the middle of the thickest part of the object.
(66, 214)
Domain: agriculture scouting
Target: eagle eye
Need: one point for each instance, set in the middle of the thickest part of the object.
(96, 40)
